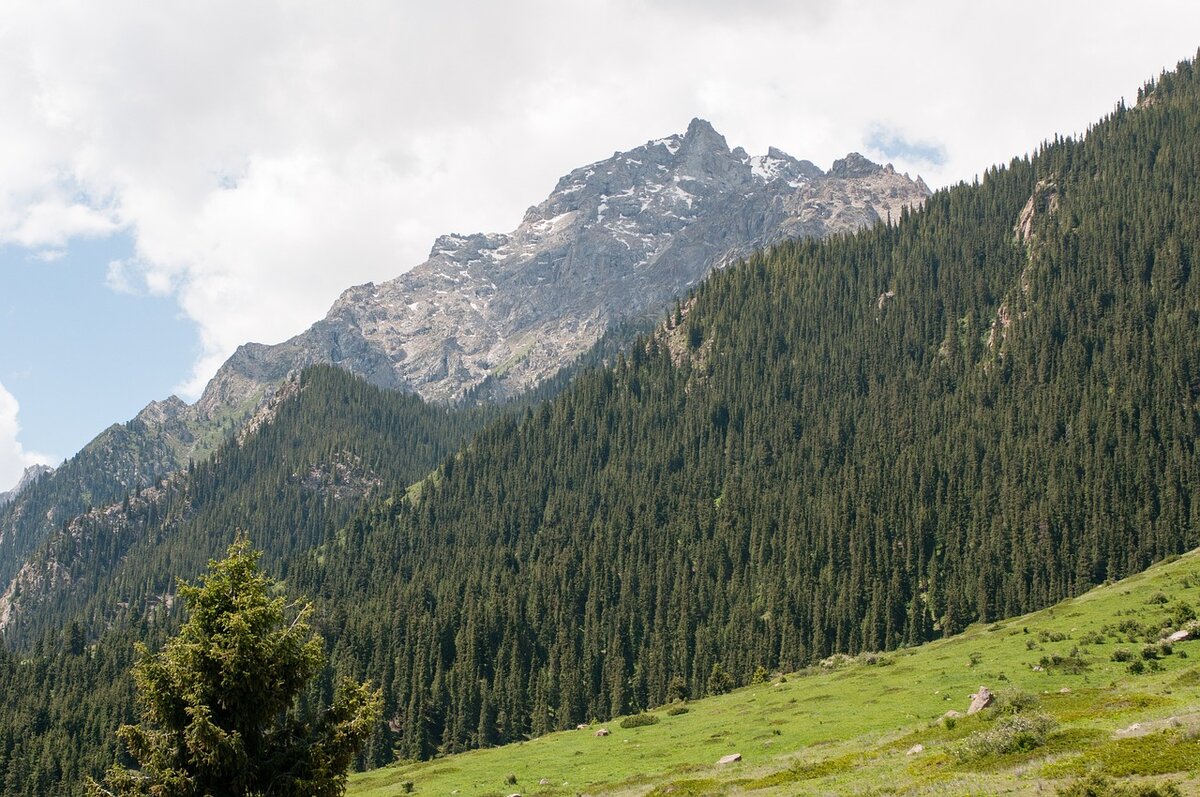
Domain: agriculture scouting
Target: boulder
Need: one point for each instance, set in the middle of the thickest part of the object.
(602, 732)
(581, 726)
(730, 759)
(916, 749)
(1179, 636)
(981, 700)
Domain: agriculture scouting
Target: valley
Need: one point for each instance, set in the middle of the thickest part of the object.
(812, 455)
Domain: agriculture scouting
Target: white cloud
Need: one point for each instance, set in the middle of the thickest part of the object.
(265, 156)
(13, 456)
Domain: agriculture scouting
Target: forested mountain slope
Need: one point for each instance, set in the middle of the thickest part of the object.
(1077, 703)
(107, 578)
(836, 446)
(495, 315)
(839, 446)
(327, 442)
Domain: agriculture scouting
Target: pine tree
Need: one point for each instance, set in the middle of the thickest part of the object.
(219, 714)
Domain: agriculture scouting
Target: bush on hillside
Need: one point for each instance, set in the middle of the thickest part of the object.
(1012, 734)
(1096, 785)
(639, 720)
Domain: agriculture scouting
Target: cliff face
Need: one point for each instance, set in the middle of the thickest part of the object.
(616, 239)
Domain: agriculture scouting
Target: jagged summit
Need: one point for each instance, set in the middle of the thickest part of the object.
(702, 128)
(854, 165)
(615, 239)
(31, 475)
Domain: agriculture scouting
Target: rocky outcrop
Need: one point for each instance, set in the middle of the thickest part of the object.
(981, 700)
(31, 475)
(1043, 202)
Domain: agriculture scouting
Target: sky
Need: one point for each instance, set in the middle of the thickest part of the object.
(177, 178)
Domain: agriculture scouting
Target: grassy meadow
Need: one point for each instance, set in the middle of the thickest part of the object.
(1090, 701)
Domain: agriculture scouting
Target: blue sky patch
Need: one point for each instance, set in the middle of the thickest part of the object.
(77, 355)
(896, 146)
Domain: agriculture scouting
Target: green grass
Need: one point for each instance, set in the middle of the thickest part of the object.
(849, 730)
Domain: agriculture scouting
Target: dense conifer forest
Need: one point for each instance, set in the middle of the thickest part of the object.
(64, 668)
(837, 446)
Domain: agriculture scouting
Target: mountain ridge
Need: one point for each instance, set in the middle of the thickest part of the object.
(490, 315)
(520, 305)
(30, 475)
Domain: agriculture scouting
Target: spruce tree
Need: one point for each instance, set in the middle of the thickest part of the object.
(220, 714)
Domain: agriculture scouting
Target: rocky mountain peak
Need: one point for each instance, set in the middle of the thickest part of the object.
(701, 129)
(618, 238)
(701, 138)
(854, 165)
(31, 475)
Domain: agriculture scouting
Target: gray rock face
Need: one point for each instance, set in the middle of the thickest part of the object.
(31, 474)
(616, 239)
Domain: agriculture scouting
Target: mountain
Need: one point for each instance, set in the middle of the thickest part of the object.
(615, 240)
(853, 444)
(494, 315)
(302, 465)
(124, 458)
(31, 474)
(847, 445)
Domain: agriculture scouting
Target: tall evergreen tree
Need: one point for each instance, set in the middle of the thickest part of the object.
(220, 713)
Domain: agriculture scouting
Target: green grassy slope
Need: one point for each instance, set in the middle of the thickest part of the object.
(847, 727)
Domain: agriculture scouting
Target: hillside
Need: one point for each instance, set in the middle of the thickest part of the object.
(327, 442)
(852, 725)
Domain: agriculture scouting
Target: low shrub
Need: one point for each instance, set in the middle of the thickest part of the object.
(1014, 701)
(835, 662)
(640, 720)
(675, 711)
(1182, 613)
(1073, 663)
(1012, 734)
(1096, 785)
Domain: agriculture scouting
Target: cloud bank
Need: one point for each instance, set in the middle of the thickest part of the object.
(266, 156)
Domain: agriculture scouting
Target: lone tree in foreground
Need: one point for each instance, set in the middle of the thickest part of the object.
(220, 713)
